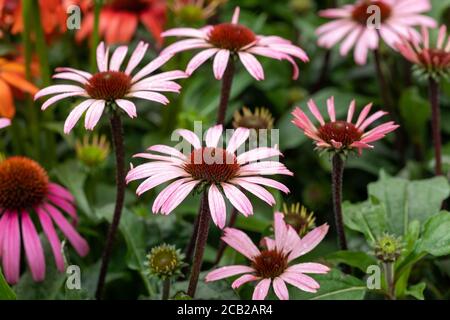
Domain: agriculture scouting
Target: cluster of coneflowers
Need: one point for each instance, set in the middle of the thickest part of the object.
(211, 167)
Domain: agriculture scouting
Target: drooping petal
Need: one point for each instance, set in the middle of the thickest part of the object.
(127, 106)
(308, 267)
(309, 241)
(217, 206)
(11, 248)
(199, 59)
(33, 248)
(238, 199)
(228, 271)
(252, 65)
(280, 289)
(220, 63)
(93, 114)
(261, 289)
(76, 114)
(243, 279)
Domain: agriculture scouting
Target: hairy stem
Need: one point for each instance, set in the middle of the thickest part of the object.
(119, 149)
(390, 279)
(436, 124)
(166, 289)
(200, 244)
(336, 182)
(227, 81)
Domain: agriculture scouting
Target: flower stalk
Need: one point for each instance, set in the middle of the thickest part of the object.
(336, 182)
(227, 81)
(389, 275)
(119, 149)
(200, 244)
(166, 289)
(436, 124)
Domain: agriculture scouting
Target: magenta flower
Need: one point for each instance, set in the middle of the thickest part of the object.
(271, 266)
(228, 39)
(4, 122)
(433, 60)
(110, 85)
(353, 25)
(340, 135)
(26, 192)
(212, 167)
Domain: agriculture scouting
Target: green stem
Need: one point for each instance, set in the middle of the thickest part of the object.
(389, 275)
(166, 289)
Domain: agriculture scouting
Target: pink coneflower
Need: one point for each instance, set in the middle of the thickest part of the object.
(219, 170)
(228, 39)
(110, 85)
(431, 60)
(354, 24)
(271, 266)
(25, 191)
(340, 135)
(4, 122)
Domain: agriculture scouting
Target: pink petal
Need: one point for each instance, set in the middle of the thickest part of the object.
(280, 229)
(315, 111)
(127, 106)
(149, 95)
(235, 18)
(117, 58)
(190, 137)
(4, 122)
(217, 206)
(33, 248)
(76, 114)
(93, 114)
(238, 199)
(59, 88)
(309, 242)
(184, 45)
(167, 150)
(258, 154)
(70, 76)
(3, 224)
(102, 57)
(252, 65)
(308, 267)
(156, 180)
(11, 248)
(239, 136)
(151, 66)
(166, 193)
(351, 111)
(261, 289)
(225, 272)
(136, 57)
(256, 190)
(52, 236)
(220, 63)
(303, 282)
(199, 59)
(243, 279)
(213, 136)
(84, 74)
(280, 289)
(64, 205)
(80, 245)
(363, 115)
(184, 32)
(265, 182)
(58, 97)
(175, 199)
(330, 107)
(371, 119)
(240, 241)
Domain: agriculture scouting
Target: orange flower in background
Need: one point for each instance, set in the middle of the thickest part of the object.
(119, 20)
(12, 77)
(53, 16)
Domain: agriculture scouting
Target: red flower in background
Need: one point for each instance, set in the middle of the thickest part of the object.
(119, 19)
(53, 16)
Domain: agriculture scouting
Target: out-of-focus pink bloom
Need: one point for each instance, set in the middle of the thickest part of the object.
(340, 135)
(219, 170)
(4, 122)
(25, 191)
(110, 85)
(355, 25)
(433, 60)
(227, 39)
(271, 266)
(119, 19)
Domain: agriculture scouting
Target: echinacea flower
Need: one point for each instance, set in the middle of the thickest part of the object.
(363, 24)
(53, 16)
(272, 265)
(26, 194)
(226, 40)
(4, 122)
(110, 85)
(119, 19)
(430, 60)
(219, 170)
(342, 135)
(12, 76)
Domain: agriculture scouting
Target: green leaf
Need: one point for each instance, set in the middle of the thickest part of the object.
(415, 111)
(406, 201)
(436, 236)
(417, 290)
(73, 177)
(334, 286)
(6, 293)
(357, 259)
(367, 218)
